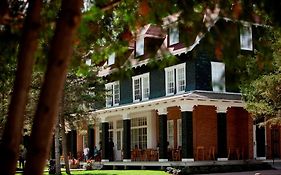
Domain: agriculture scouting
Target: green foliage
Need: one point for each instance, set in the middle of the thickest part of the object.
(83, 93)
(262, 89)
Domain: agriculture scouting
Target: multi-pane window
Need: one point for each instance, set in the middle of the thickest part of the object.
(246, 38)
(141, 87)
(139, 133)
(112, 94)
(174, 36)
(119, 126)
(218, 76)
(170, 133)
(175, 78)
(179, 127)
(140, 46)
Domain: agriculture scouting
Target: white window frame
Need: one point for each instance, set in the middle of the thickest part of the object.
(174, 80)
(179, 130)
(140, 128)
(139, 46)
(246, 37)
(170, 133)
(111, 59)
(112, 94)
(143, 90)
(218, 76)
(174, 34)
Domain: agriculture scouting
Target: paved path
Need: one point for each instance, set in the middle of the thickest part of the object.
(262, 172)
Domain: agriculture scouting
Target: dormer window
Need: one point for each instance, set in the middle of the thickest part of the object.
(111, 59)
(218, 76)
(112, 94)
(246, 38)
(141, 87)
(140, 46)
(88, 62)
(174, 35)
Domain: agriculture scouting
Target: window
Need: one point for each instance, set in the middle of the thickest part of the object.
(174, 36)
(179, 132)
(170, 133)
(218, 76)
(246, 38)
(175, 79)
(119, 127)
(139, 133)
(141, 87)
(112, 94)
(140, 46)
(88, 62)
(111, 59)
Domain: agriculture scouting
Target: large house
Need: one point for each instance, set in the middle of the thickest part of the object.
(188, 109)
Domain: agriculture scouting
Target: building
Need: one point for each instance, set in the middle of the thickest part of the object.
(189, 109)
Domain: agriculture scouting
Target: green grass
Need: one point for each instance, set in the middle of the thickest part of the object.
(117, 172)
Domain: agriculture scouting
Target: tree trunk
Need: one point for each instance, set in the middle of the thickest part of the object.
(12, 135)
(57, 148)
(64, 145)
(47, 110)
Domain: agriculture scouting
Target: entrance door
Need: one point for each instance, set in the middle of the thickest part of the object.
(259, 142)
(275, 143)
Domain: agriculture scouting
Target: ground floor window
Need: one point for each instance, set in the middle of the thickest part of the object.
(170, 133)
(139, 133)
(179, 132)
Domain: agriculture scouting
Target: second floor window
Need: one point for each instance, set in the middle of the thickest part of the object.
(112, 94)
(141, 87)
(246, 38)
(218, 76)
(175, 79)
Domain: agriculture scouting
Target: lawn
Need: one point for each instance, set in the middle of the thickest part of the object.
(118, 172)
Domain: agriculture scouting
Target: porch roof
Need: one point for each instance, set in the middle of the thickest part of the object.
(222, 100)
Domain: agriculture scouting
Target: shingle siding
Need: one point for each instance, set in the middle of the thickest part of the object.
(157, 83)
(126, 91)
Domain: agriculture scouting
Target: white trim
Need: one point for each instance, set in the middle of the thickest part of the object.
(175, 78)
(185, 108)
(142, 89)
(260, 158)
(162, 111)
(221, 109)
(187, 160)
(126, 116)
(127, 160)
(111, 97)
(104, 160)
(222, 159)
(163, 160)
(188, 98)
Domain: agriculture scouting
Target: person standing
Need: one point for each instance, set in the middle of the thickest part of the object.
(22, 157)
(86, 153)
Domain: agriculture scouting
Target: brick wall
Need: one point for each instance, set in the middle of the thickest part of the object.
(204, 130)
(239, 133)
